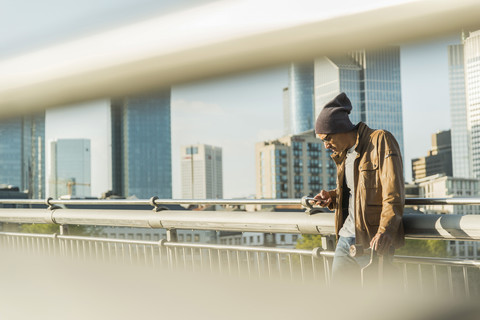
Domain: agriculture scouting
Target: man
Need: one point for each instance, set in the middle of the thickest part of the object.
(370, 196)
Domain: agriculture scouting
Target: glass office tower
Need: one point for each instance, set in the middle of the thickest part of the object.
(22, 154)
(371, 79)
(70, 168)
(298, 106)
(141, 146)
(472, 83)
(458, 111)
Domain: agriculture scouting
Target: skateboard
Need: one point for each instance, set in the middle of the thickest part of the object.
(373, 273)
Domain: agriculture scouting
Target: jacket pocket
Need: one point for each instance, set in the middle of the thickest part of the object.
(369, 174)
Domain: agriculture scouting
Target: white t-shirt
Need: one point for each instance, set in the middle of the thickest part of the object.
(348, 229)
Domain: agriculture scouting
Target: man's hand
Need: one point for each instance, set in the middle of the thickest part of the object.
(323, 198)
(381, 243)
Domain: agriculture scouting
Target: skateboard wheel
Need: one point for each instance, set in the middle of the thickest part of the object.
(356, 250)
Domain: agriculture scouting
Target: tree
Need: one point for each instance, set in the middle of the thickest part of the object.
(426, 248)
(309, 241)
(55, 228)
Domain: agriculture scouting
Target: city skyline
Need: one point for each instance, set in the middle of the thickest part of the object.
(197, 106)
(243, 119)
(247, 108)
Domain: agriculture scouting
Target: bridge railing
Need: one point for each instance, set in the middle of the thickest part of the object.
(419, 273)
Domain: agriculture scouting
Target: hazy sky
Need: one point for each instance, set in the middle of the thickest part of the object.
(243, 109)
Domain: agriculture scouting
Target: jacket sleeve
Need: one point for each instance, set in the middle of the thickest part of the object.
(392, 182)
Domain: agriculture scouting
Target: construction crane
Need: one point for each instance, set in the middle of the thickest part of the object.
(69, 184)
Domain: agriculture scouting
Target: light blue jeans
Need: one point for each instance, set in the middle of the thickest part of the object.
(345, 268)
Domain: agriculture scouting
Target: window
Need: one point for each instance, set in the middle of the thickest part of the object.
(197, 238)
(192, 150)
(189, 238)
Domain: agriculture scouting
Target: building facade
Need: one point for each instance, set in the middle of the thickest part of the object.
(141, 146)
(298, 106)
(441, 186)
(472, 85)
(70, 168)
(202, 172)
(371, 79)
(462, 162)
(22, 154)
(438, 160)
(293, 166)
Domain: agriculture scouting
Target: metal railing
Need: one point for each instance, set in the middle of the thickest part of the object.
(419, 273)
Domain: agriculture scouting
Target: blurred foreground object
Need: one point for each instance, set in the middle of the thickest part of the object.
(216, 39)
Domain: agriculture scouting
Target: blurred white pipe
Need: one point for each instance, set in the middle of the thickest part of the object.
(216, 39)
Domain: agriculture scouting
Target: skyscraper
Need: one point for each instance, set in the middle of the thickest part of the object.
(141, 146)
(70, 163)
(287, 126)
(462, 162)
(22, 154)
(371, 79)
(202, 175)
(472, 85)
(298, 105)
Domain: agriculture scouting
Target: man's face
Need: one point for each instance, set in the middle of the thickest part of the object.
(337, 142)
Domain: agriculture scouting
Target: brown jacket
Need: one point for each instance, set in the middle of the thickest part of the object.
(379, 187)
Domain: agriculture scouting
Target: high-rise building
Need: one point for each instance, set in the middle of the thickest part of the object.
(462, 162)
(371, 79)
(202, 174)
(293, 166)
(22, 154)
(438, 160)
(287, 126)
(141, 146)
(70, 168)
(472, 86)
(298, 104)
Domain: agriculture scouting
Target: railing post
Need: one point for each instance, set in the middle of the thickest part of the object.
(63, 229)
(328, 242)
(171, 237)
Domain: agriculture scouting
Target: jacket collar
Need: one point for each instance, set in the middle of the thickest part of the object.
(363, 131)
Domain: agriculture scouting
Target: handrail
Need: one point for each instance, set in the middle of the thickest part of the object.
(419, 226)
(231, 202)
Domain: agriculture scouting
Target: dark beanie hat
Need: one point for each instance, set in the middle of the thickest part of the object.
(334, 116)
